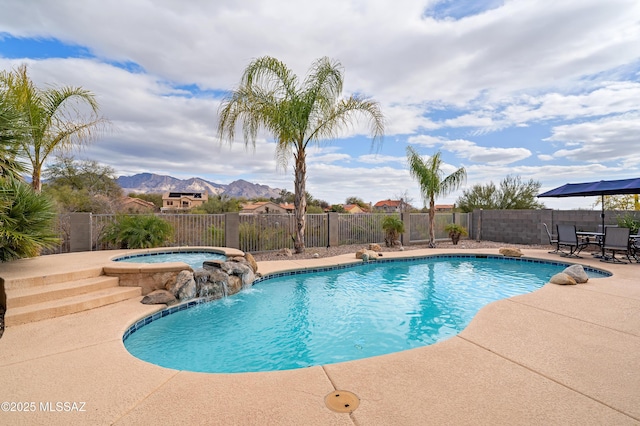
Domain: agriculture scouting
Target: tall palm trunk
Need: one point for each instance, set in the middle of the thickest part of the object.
(432, 222)
(36, 182)
(300, 200)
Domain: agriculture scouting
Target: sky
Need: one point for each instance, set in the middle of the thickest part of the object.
(547, 90)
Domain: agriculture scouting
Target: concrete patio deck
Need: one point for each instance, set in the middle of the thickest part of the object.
(560, 355)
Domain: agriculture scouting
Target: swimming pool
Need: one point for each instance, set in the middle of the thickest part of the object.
(301, 319)
(193, 258)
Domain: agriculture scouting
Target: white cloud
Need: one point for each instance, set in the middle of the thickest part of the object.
(472, 152)
(381, 159)
(573, 63)
(610, 139)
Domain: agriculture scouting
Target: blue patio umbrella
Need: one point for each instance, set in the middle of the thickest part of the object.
(601, 188)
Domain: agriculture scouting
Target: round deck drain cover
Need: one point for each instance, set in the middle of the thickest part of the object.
(342, 401)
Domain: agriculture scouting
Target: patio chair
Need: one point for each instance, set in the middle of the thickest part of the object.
(553, 240)
(616, 240)
(634, 246)
(567, 237)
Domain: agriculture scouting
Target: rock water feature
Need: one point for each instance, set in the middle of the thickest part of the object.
(215, 280)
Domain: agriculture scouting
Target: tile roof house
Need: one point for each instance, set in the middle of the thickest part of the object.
(391, 206)
(183, 200)
(263, 207)
(136, 205)
(353, 208)
(289, 207)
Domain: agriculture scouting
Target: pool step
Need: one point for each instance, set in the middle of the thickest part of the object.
(17, 298)
(53, 300)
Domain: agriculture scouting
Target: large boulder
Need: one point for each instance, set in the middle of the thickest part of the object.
(158, 297)
(562, 279)
(218, 276)
(242, 270)
(213, 264)
(234, 285)
(215, 290)
(375, 247)
(510, 252)
(185, 287)
(367, 255)
(252, 262)
(578, 273)
(286, 252)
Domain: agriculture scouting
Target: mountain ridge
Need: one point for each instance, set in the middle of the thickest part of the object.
(151, 183)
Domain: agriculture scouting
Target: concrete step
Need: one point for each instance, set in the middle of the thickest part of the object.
(20, 297)
(56, 278)
(69, 305)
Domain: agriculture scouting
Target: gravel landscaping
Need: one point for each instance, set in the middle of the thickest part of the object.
(335, 251)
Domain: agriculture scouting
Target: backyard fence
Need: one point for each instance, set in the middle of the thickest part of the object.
(254, 232)
(267, 232)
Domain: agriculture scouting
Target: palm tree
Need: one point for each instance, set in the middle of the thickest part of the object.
(271, 97)
(52, 118)
(26, 220)
(432, 184)
(10, 164)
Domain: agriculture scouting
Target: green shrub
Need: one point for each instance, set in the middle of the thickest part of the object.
(263, 236)
(26, 220)
(138, 231)
(455, 231)
(629, 221)
(454, 228)
(393, 226)
(217, 235)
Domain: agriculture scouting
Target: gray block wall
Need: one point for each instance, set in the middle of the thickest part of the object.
(525, 226)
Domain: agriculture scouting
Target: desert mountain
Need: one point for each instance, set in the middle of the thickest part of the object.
(150, 183)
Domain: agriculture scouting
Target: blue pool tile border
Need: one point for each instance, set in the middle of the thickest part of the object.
(186, 305)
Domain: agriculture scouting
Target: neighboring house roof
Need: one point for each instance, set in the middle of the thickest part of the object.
(252, 207)
(353, 208)
(445, 206)
(388, 203)
(137, 202)
(288, 207)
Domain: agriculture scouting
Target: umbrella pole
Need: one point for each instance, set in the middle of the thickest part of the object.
(602, 216)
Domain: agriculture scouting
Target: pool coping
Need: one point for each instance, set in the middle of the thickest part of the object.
(562, 354)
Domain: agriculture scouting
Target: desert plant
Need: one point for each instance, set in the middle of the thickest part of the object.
(455, 231)
(26, 220)
(217, 235)
(393, 226)
(138, 231)
(629, 221)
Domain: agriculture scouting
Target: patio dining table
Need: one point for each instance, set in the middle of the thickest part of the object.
(598, 240)
(587, 236)
(595, 238)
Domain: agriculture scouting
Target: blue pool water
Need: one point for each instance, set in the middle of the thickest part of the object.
(307, 319)
(191, 258)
